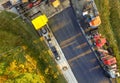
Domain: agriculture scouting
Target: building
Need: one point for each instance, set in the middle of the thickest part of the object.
(8, 5)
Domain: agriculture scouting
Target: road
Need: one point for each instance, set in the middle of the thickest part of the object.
(75, 48)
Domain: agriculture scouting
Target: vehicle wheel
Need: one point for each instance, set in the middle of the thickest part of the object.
(110, 50)
(107, 43)
(94, 44)
(106, 74)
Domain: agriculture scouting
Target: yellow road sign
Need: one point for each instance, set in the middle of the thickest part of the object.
(40, 21)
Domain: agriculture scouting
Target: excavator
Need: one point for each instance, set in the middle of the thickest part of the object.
(91, 15)
(107, 61)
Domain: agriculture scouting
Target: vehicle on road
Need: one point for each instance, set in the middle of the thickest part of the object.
(33, 3)
(45, 33)
(30, 5)
(91, 15)
(99, 41)
(37, 2)
(55, 53)
(50, 43)
(107, 61)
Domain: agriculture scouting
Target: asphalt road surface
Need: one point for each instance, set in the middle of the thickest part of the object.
(75, 48)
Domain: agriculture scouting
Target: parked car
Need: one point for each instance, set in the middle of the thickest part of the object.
(56, 55)
(37, 2)
(30, 5)
(45, 33)
(50, 43)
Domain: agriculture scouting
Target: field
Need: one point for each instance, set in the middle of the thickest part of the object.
(110, 27)
(24, 57)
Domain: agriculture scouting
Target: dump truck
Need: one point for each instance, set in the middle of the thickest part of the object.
(91, 15)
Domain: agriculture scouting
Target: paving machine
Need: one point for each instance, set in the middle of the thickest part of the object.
(107, 61)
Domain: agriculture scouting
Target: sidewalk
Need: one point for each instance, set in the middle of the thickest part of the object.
(68, 74)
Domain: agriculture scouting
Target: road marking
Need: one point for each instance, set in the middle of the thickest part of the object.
(92, 60)
(60, 25)
(94, 68)
(80, 46)
(65, 42)
(77, 57)
(66, 45)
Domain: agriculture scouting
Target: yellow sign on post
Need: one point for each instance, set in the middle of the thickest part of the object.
(40, 21)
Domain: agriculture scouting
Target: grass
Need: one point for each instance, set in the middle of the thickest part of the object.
(110, 28)
(18, 40)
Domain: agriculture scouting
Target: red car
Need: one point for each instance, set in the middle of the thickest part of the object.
(37, 2)
(30, 5)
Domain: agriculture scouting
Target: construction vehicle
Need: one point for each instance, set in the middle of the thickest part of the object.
(99, 41)
(91, 15)
(108, 62)
(40, 21)
(55, 3)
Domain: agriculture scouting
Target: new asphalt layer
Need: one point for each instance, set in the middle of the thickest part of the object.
(74, 45)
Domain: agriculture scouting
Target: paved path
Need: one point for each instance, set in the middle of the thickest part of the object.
(68, 74)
